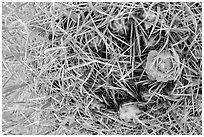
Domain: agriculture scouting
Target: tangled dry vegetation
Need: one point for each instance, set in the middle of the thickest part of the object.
(102, 68)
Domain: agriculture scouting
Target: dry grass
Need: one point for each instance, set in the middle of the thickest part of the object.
(67, 67)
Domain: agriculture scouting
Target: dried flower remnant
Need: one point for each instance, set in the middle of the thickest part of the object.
(162, 66)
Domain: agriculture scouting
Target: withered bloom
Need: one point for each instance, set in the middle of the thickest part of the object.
(162, 66)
